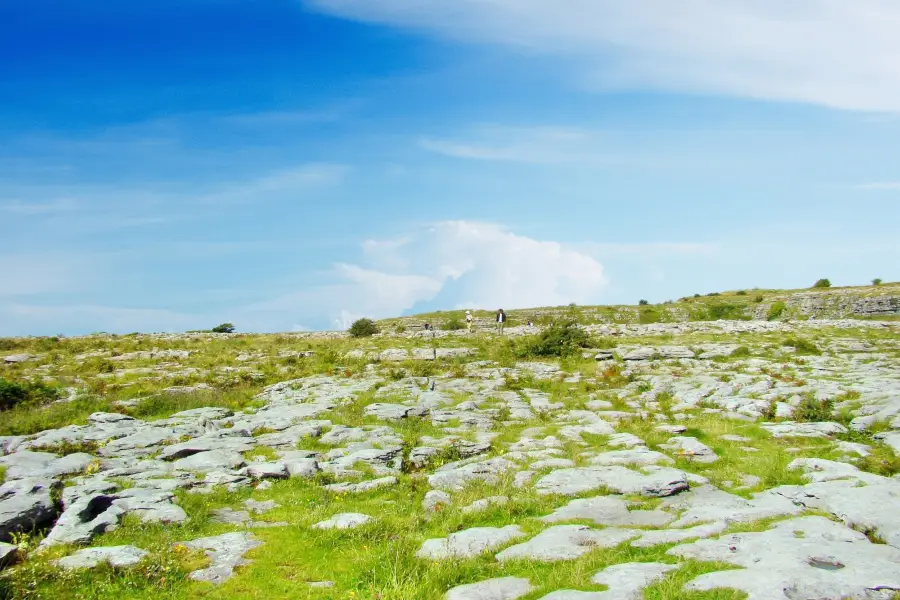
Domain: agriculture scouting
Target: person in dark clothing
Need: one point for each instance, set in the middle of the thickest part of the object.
(501, 321)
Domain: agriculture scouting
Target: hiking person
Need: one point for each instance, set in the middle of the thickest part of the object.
(469, 320)
(501, 321)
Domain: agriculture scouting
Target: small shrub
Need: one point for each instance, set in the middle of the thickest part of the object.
(223, 328)
(822, 283)
(741, 293)
(758, 298)
(696, 295)
(454, 324)
(741, 352)
(714, 294)
(13, 393)
(400, 329)
(876, 281)
(811, 410)
(719, 312)
(560, 339)
(802, 346)
(776, 310)
(363, 328)
(643, 303)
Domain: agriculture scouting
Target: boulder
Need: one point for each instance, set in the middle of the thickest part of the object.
(469, 542)
(26, 504)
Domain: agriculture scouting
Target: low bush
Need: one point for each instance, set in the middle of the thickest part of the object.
(13, 393)
(453, 324)
(363, 328)
(776, 310)
(811, 410)
(560, 339)
(876, 281)
(643, 303)
(732, 312)
(822, 283)
(223, 328)
(741, 293)
(758, 298)
(802, 346)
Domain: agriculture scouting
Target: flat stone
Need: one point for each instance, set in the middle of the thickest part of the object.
(115, 556)
(640, 456)
(469, 542)
(455, 478)
(85, 518)
(807, 557)
(503, 588)
(361, 488)
(566, 542)
(625, 581)
(671, 536)
(435, 500)
(226, 553)
(824, 429)
(619, 480)
(213, 460)
(640, 354)
(484, 504)
(607, 510)
(26, 504)
(344, 521)
(691, 449)
(268, 470)
(258, 507)
(705, 504)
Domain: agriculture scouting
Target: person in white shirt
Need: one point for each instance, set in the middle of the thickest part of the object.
(501, 321)
(469, 320)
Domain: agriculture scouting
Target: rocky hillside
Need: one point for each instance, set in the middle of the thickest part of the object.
(882, 301)
(667, 461)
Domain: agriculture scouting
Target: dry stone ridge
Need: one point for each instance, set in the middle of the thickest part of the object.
(658, 461)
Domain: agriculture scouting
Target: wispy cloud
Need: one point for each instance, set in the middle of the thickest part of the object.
(534, 145)
(830, 52)
(54, 206)
(880, 185)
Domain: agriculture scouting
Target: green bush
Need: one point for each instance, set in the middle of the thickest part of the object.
(822, 283)
(649, 315)
(776, 310)
(560, 339)
(363, 328)
(454, 324)
(741, 293)
(811, 410)
(643, 303)
(758, 298)
(876, 281)
(802, 346)
(223, 328)
(13, 393)
(719, 312)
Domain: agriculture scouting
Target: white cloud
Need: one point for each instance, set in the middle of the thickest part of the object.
(837, 53)
(452, 263)
(880, 185)
(536, 145)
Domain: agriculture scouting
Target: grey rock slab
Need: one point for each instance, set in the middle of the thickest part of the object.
(268, 470)
(8, 553)
(807, 557)
(214, 460)
(891, 438)
(671, 536)
(607, 510)
(258, 507)
(28, 464)
(435, 499)
(706, 504)
(85, 518)
(454, 478)
(26, 504)
(304, 468)
(226, 552)
(360, 488)
(206, 444)
(151, 506)
(625, 582)
(344, 521)
(823, 429)
(639, 354)
(640, 456)
(663, 482)
(484, 504)
(691, 449)
(566, 542)
(115, 556)
(629, 440)
(469, 542)
(502, 588)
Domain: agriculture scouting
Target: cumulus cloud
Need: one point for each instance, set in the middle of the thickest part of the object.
(836, 53)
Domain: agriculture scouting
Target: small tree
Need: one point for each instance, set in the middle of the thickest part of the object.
(453, 324)
(363, 328)
(223, 328)
(876, 281)
(822, 283)
(643, 303)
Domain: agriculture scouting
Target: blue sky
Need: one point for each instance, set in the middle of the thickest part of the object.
(290, 165)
